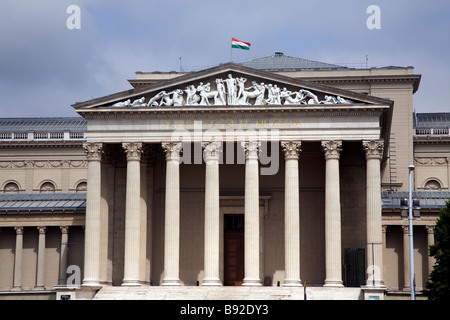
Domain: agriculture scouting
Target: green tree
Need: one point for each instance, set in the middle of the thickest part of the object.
(438, 286)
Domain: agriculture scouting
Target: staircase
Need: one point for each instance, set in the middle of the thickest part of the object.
(226, 293)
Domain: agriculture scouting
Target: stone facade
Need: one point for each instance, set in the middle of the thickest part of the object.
(162, 182)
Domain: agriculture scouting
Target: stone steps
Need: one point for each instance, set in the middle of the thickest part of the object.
(225, 293)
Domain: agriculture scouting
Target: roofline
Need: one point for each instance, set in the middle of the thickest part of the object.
(135, 92)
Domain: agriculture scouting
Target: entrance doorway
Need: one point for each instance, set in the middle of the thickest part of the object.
(233, 249)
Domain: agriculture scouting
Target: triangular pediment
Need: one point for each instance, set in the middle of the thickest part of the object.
(229, 85)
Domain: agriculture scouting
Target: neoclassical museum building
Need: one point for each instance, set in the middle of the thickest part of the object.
(264, 175)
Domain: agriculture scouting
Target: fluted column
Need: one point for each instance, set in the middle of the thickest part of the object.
(17, 285)
(132, 214)
(291, 213)
(40, 259)
(374, 252)
(211, 153)
(333, 255)
(172, 214)
(93, 215)
(251, 230)
(63, 255)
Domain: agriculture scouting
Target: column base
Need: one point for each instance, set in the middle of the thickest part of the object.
(91, 283)
(171, 282)
(212, 282)
(292, 283)
(16, 289)
(38, 288)
(334, 283)
(252, 283)
(130, 283)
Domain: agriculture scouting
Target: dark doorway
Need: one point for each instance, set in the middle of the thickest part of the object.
(354, 267)
(233, 249)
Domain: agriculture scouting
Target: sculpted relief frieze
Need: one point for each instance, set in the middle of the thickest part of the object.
(232, 91)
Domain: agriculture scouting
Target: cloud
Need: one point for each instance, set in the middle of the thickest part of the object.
(45, 67)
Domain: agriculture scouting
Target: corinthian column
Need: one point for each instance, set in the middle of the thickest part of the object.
(406, 282)
(251, 231)
(40, 260)
(63, 255)
(211, 153)
(291, 213)
(18, 259)
(333, 265)
(430, 242)
(132, 214)
(93, 215)
(172, 215)
(374, 253)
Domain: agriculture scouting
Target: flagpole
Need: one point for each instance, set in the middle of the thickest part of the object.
(231, 50)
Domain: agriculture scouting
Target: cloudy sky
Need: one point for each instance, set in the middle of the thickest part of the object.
(45, 67)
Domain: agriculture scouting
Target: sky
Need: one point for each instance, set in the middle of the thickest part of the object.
(46, 66)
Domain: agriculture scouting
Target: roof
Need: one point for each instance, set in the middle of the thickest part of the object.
(27, 202)
(432, 120)
(281, 62)
(43, 124)
(428, 199)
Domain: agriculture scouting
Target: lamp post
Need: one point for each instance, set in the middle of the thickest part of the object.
(411, 243)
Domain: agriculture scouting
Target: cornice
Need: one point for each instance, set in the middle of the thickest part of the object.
(431, 139)
(414, 79)
(41, 144)
(238, 112)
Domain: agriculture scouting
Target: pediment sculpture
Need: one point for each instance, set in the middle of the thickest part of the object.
(232, 91)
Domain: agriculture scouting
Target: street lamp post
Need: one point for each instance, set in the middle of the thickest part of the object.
(411, 242)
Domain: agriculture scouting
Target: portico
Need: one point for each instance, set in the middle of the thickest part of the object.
(175, 169)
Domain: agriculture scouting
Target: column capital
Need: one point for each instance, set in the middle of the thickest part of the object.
(373, 149)
(172, 150)
(133, 150)
(251, 149)
(64, 229)
(41, 229)
(212, 150)
(332, 149)
(405, 229)
(291, 149)
(93, 150)
(19, 230)
(430, 229)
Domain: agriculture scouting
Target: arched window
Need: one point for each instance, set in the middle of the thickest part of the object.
(11, 187)
(432, 185)
(81, 187)
(47, 187)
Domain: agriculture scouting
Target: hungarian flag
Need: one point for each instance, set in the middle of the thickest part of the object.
(238, 44)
